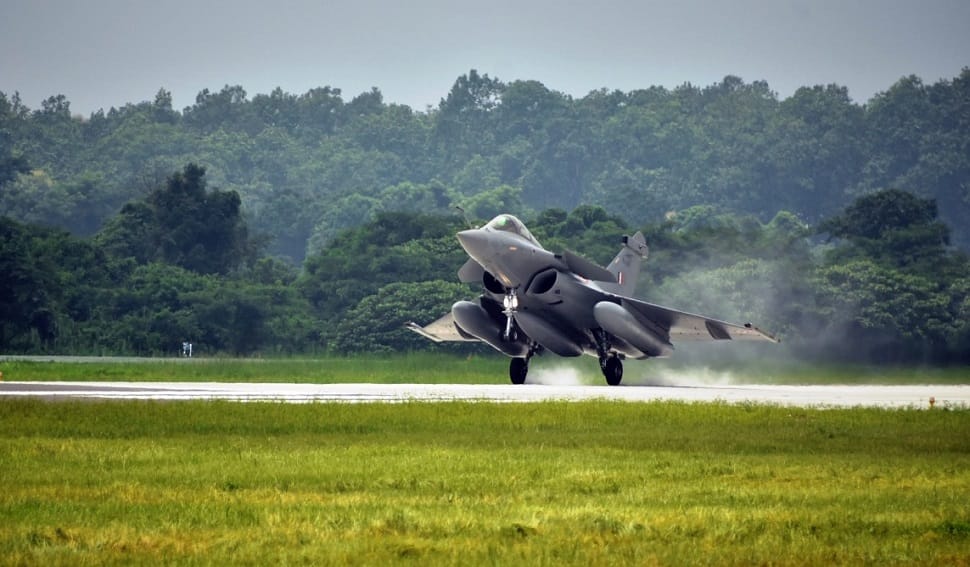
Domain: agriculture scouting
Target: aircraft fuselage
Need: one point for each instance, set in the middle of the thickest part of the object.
(535, 301)
(552, 305)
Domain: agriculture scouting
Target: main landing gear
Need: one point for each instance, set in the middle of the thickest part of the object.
(610, 362)
(612, 368)
(519, 367)
(611, 365)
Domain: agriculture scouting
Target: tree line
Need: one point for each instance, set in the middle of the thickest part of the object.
(306, 166)
(876, 281)
(310, 223)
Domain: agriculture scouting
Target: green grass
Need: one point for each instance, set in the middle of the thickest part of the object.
(91, 483)
(425, 368)
(487, 368)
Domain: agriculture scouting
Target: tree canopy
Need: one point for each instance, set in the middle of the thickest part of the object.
(284, 222)
(306, 166)
(181, 223)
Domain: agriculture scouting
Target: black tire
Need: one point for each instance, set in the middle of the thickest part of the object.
(518, 369)
(613, 370)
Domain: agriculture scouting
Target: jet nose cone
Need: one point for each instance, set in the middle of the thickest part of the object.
(475, 242)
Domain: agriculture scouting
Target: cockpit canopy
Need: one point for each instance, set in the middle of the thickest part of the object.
(508, 223)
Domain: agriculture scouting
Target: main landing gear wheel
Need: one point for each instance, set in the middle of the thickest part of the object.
(518, 368)
(613, 370)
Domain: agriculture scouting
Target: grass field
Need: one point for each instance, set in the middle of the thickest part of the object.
(91, 483)
(425, 368)
(488, 368)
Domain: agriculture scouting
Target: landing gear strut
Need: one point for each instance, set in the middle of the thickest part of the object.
(518, 367)
(511, 304)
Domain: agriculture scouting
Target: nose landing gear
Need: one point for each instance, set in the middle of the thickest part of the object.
(511, 304)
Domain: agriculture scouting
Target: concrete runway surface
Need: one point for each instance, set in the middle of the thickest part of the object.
(795, 396)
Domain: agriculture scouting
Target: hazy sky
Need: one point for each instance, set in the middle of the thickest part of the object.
(104, 53)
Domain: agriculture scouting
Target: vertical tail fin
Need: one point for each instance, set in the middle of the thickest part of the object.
(626, 266)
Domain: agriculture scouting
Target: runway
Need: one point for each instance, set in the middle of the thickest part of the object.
(794, 396)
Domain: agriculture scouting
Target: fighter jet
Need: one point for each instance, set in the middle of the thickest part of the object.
(535, 301)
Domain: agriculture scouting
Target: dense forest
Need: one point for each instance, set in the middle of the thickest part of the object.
(306, 223)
